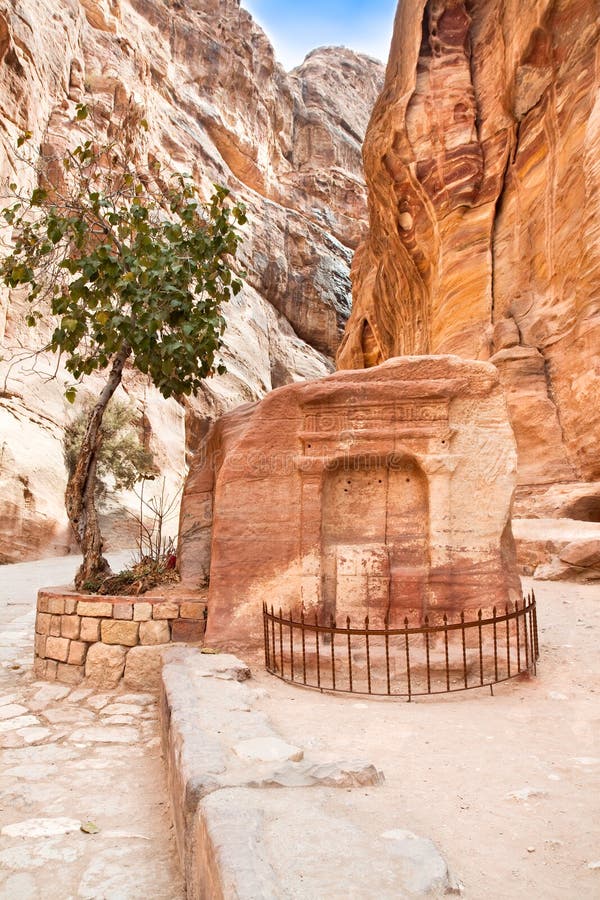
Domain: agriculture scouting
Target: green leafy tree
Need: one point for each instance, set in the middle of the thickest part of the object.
(134, 268)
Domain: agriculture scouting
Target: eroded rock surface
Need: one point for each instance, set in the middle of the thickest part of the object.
(481, 160)
(219, 106)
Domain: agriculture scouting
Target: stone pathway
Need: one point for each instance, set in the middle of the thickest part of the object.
(71, 756)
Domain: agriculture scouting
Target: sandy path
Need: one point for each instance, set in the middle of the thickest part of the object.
(71, 755)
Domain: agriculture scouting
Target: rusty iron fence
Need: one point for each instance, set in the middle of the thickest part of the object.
(407, 661)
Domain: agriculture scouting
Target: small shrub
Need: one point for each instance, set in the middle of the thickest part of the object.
(122, 459)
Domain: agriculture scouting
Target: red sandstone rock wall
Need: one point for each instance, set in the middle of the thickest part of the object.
(218, 104)
(379, 492)
(482, 161)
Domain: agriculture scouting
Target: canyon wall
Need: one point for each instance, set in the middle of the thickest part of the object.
(219, 106)
(482, 161)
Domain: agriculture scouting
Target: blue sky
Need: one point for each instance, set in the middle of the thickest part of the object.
(298, 26)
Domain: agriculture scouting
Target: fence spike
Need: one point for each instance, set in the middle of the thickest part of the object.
(494, 625)
(426, 634)
(446, 652)
(479, 629)
(368, 649)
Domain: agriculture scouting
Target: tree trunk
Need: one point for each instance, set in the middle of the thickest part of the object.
(80, 497)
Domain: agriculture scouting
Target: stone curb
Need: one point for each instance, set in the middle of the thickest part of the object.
(237, 789)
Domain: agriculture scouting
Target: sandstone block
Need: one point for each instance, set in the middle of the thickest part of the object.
(39, 667)
(40, 645)
(104, 665)
(43, 602)
(70, 626)
(191, 610)
(267, 749)
(142, 612)
(57, 648)
(42, 623)
(90, 630)
(70, 606)
(77, 652)
(155, 632)
(262, 859)
(143, 667)
(187, 630)
(70, 674)
(582, 554)
(51, 669)
(123, 611)
(56, 605)
(94, 608)
(117, 632)
(340, 774)
(165, 610)
(55, 625)
(223, 666)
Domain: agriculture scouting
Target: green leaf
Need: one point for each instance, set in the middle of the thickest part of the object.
(71, 394)
(38, 195)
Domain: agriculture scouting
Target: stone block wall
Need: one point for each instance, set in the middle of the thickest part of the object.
(105, 639)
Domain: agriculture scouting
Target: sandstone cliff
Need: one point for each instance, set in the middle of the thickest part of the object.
(482, 160)
(218, 105)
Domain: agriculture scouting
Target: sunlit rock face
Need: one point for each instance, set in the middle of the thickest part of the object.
(482, 161)
(384, 492)
(219, 106)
